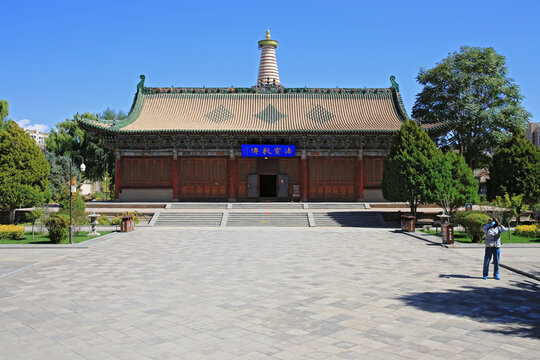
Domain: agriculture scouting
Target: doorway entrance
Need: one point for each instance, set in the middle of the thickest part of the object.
(268, 186)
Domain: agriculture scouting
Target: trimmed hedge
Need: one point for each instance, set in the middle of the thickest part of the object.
(58, 226)
(13, 232)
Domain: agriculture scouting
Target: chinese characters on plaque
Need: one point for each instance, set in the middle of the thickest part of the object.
(268, 150)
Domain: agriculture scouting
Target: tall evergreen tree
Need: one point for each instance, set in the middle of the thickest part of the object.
(472, 90)
(455, 182)
(515, 170)
(408, 170)
(59, 175)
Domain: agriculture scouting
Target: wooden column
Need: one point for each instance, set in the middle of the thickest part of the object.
(233, 176)
(118, 174)
(304, 176)
(360, 176)
(174, 168)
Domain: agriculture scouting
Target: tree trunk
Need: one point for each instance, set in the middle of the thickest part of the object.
(32, 232)
(11, 216)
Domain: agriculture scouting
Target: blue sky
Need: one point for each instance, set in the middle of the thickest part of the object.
(58, 58)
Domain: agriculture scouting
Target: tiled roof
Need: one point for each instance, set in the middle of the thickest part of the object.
(291, 110)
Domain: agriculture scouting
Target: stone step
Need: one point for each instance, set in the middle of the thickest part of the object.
(268, 219)
(347, 219)
(189, 219)
(351, 206)
(198, 206)
(263, 206)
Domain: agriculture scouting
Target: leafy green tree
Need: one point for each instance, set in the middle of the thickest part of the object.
(4, 112)
(34, 216)
(23, 170)
(69, 139)
(515, 170)
(109, 114)
(408, 170)
(455, 182)
(471, 89)
(507, 206)
(59, 175)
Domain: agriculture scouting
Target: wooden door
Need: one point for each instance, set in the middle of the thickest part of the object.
(203, 178)
(283, 185)
(253, 186)
(332, 178)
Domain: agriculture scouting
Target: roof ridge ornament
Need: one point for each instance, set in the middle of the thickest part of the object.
(394, 83)
(140, 85)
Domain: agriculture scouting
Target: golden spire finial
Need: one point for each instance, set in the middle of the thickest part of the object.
(267, 34)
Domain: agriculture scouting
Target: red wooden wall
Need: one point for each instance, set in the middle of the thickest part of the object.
(204, 177)
(331, 178)
(143, 172)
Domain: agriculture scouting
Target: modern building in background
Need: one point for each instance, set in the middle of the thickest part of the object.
(266, 142)
(532, 133)
(38, 136)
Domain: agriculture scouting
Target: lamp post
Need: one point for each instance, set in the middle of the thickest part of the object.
(71, 191)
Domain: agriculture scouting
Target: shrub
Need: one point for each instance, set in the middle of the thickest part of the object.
(118, 219)
(528, 230)
(11, 232)
(104, 220)
(134, 214)
(97, 196)
(474, 223)
(58, 226)
(459, 217)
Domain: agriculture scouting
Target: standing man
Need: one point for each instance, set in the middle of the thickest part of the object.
(493, 232)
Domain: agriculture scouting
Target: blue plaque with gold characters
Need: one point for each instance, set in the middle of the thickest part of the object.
(268, 150)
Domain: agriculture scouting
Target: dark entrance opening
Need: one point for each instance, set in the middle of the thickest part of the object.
(268, 186)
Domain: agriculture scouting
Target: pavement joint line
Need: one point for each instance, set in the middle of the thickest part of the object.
(524, 273)
(448, 246)
(101, 239)
(31, 266)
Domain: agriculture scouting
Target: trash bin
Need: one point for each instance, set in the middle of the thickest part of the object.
(127, 223)
(447, 234)
(407, 223)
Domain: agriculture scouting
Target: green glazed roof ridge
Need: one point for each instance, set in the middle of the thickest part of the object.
(256, 90)
(120, 131)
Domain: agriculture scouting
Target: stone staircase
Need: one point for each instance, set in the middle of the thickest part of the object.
(276, 219)
(347, 219)
(269, 206)
(268, 214)
(189, 219)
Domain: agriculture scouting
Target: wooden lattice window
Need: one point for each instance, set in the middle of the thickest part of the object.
(373, 169)
(146, 172)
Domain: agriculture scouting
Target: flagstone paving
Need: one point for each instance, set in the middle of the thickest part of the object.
(266, 293)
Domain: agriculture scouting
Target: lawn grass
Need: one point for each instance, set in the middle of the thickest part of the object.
(44, 238)
(505, 237)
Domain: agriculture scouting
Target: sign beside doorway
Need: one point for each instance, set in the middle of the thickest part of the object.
(268, 150)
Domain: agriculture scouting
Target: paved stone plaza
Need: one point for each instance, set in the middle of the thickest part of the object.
(264, 293)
